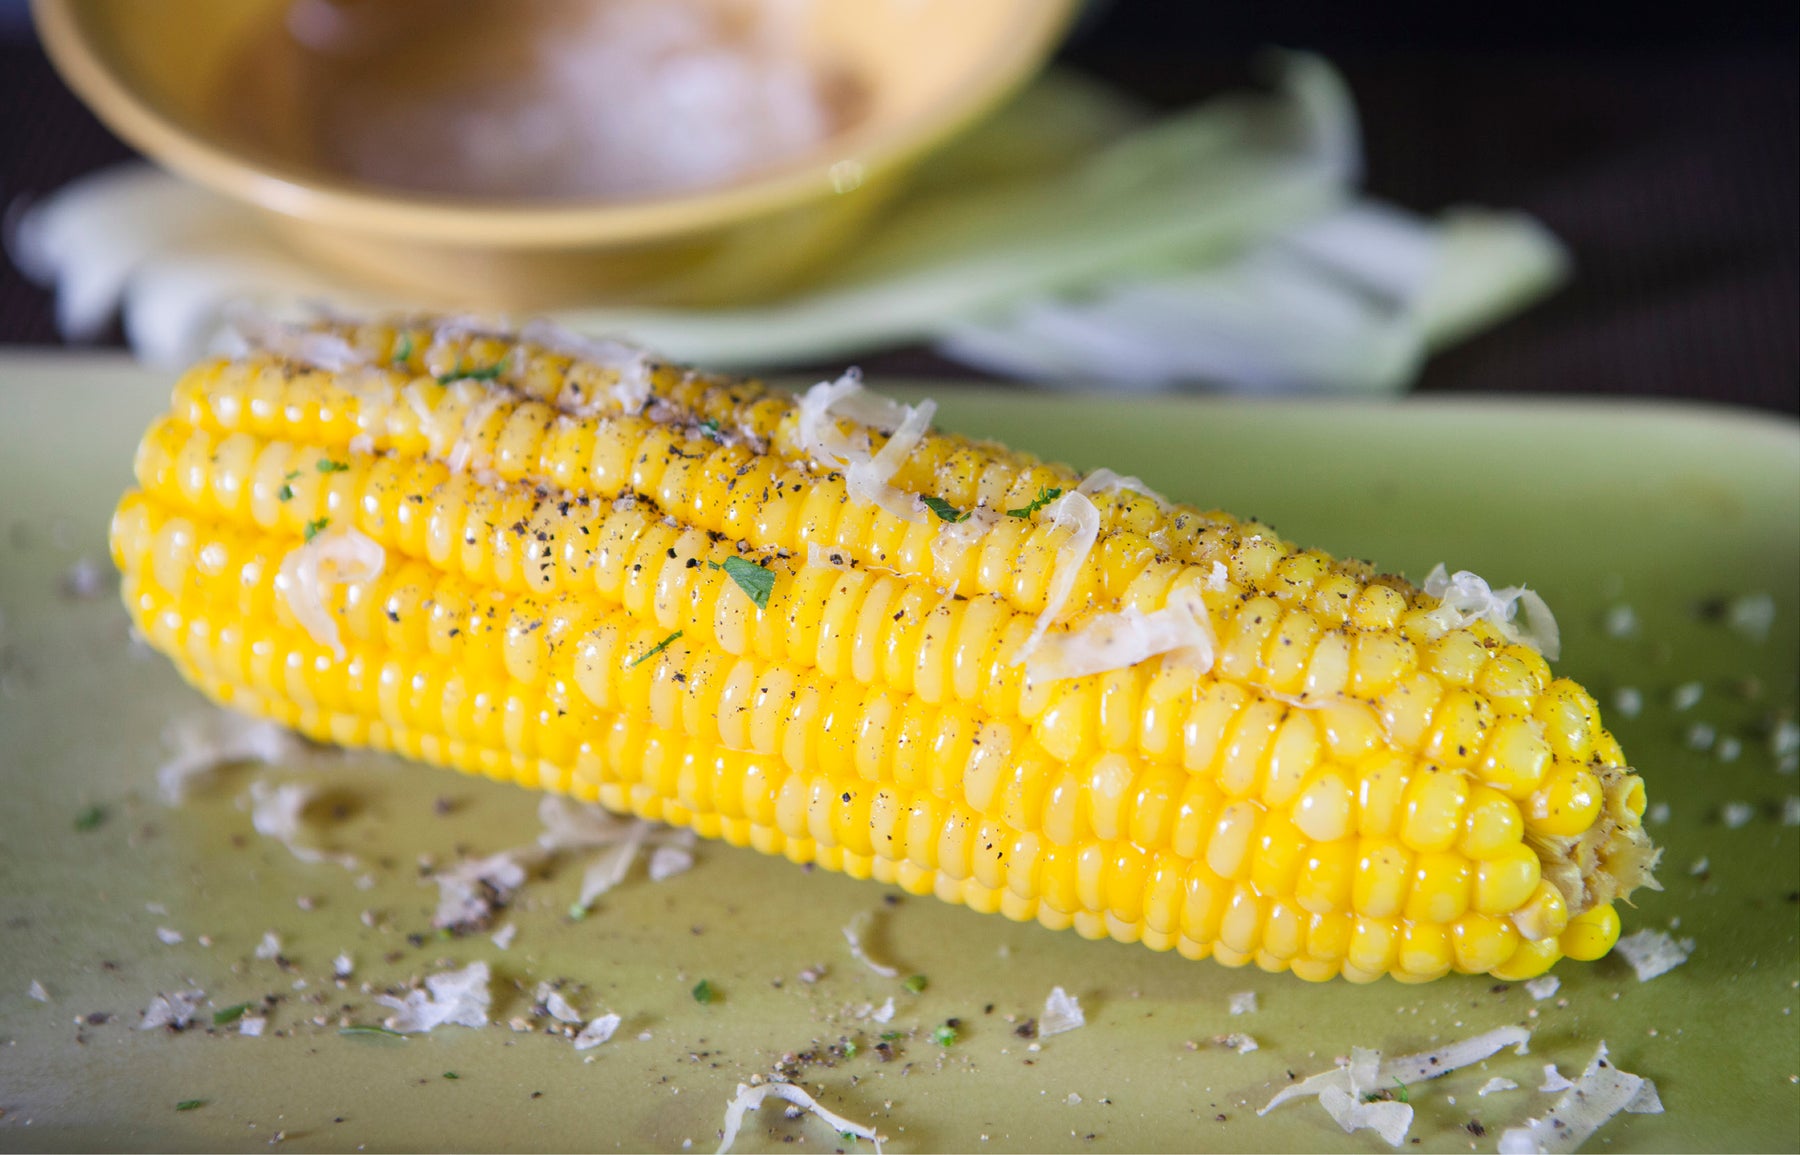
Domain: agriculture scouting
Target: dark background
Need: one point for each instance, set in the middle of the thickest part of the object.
(1659, 142)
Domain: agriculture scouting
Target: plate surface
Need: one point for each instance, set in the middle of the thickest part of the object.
(1658, 508)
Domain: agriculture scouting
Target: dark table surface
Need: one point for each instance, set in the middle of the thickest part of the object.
(1662, 152)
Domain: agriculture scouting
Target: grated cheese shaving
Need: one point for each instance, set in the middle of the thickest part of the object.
(1496, 1085)
(457, 998)
(1240, 1042)
(278, 811)
(36, 991)
(1653, 952)
(1120, 640)
(853, 936)
(1408, 1069)
(343, 966)
(252, 1025)
(1072, 509)
(610, 867)
(557, 1006)
(1106, 481)
(1543, 988)
(632, 364)
(174, 1011)
(462, 452)
(471, 891)
(202, 743)
(503, 938)
(319, 350)
(822, 556)
(668, 861)
(751, 1098)
(270, 946)
(596, 1032)
(1466, 598)
(1386, 1117)
(1554, 1080)
(1602, 1092)
(309, 570)
(168, 936)
(1062, 1012)
(1243, 1003)
(866, 476)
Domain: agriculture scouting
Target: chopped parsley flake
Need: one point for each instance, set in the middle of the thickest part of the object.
(451, 1075)
(90, 818)
(944, 1035)
(369, 1029)
(1046, 495)
(190, 1104)
(944, 510)
(327, 465)
(916, 983)
(651, 653)
(705, 992)
(404, 349)
(291, 475)
(850, 1049)
(285, 493)
(230, 1014)
(753, 579)
(710, 428)
(890, 1036)
(313, 527)
(484, 373)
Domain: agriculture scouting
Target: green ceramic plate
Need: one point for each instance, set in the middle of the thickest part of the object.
(1662, 509)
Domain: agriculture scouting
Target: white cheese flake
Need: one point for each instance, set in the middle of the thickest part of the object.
(1543, 988)
(1658, 814)
(1062, 1012)
(1784, 738)
(668, 861)
(1243, 1003)
(1602, 1092)
(597, 1031)
(1102, 481)
(278, 812)
(853, 935)
(503, 938)
(1077, 512)
(471, 891)
(630, 363)
(1554, 1080)
(556, 1005)
(1240, 1042)
(1388, 1118)
(751, 1098)
(1628, 701)
(252, 1025)
(1117, 641)
(1729, 748)
(169, 936)
(1700, 866)
(1465, 597)
(1686, 696)
(1701, 736)
(1408, 1069)
(175, 1011)
(1621, 622)
(309, 570)
(1752, 615)
(343, 966)
(270, 946)
(1790, 810)
(204, 742)
(1496, 1085)
(866, 474)
(36, 991)
(1653, 952)
(457, 997)
(1736, 815)
(821, 556)
(309, 347)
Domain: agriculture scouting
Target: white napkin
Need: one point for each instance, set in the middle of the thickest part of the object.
(1066, 240)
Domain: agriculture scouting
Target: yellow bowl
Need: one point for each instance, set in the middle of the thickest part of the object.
(158, 74)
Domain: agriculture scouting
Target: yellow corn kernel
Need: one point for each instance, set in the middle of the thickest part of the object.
(562, 603)
(1590, 934)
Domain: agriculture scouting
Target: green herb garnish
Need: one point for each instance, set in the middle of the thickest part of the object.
(944, 510)
(850, 1050)
(890, 1036)
(1045, 496)
(484, 373)
(403, 351)
(190, 1104)
(369, 1029)
(327, 465)
(710, 428)
(653, 651)
(291, 475)
(313, 527)
(916, 983)
(753, 579)
(285, 493)
(944, 1035)
(705, 992)
(230, 1014)
(90, 818)
(577, 912)
(451, 1075)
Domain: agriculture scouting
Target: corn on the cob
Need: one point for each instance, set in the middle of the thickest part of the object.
(697, 601)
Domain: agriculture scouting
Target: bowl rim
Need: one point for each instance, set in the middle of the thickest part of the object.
(471, 223)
